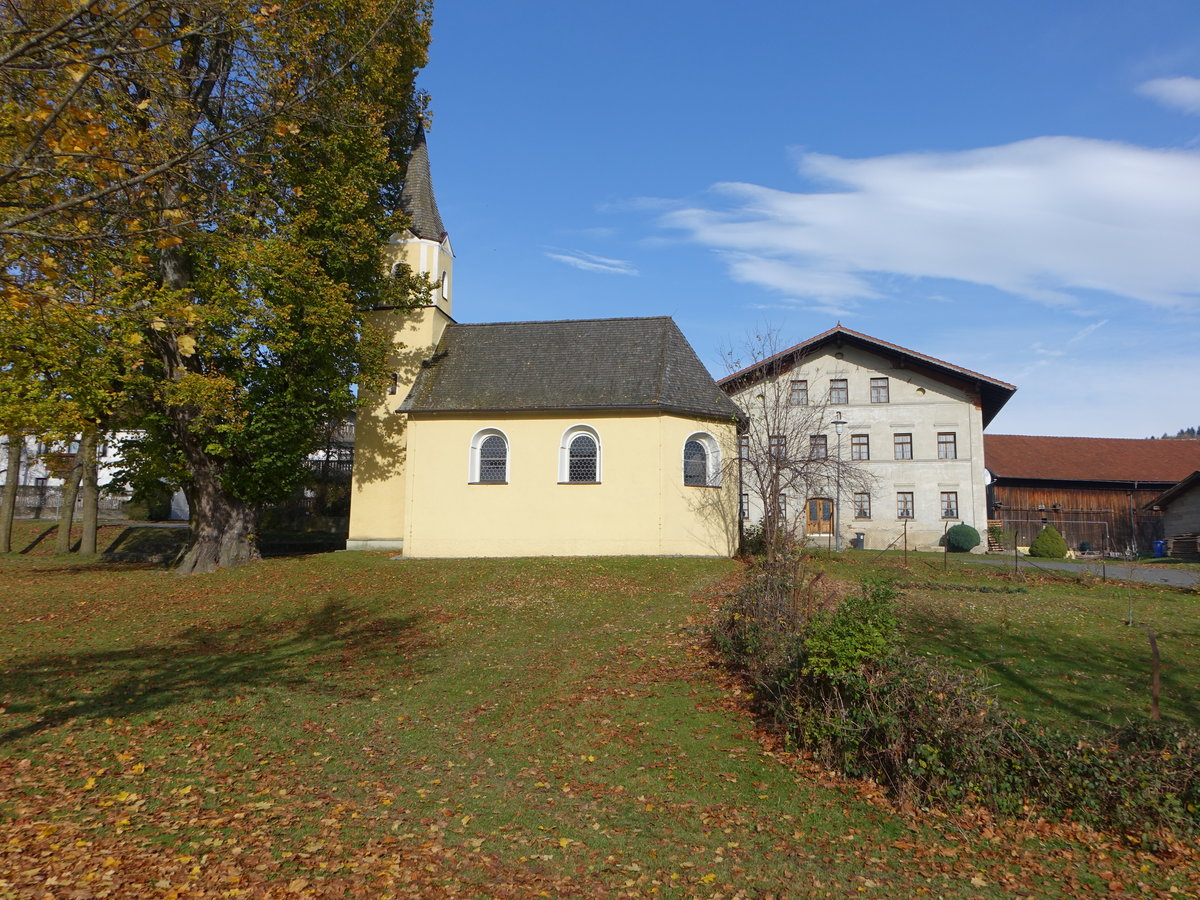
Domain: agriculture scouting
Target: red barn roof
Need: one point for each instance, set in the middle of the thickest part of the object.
(1089, 459)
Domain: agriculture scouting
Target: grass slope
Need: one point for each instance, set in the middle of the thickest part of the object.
(349, 725)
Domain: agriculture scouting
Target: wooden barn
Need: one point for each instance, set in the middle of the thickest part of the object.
(1098, 492)
(1180, 507)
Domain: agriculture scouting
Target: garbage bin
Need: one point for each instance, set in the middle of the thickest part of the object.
(1160, 549)
(860, 540)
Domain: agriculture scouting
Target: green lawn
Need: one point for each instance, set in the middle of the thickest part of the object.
(1057, 646)
(351, 725)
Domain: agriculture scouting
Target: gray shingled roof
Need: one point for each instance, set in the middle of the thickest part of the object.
(416, 197)
(643, 363)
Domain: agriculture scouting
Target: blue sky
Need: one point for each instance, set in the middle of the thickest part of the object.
(1014, 188)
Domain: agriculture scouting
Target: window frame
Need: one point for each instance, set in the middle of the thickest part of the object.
(777, 446)
(818, 446)
(841, 385)
(949, 512)
(475, 465)
(906, 508)
(564, 454)
(798, 388)
(898, 444)
(712, 459)
(862, 449)
(862, 501)
(744, 506)
(943, 444)
(880, 390)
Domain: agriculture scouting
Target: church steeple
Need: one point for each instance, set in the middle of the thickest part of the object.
(416, 198)
(424, 246)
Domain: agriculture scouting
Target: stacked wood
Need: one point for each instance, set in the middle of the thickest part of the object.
(1185, 546)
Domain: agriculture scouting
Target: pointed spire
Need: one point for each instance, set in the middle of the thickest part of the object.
(416, 198)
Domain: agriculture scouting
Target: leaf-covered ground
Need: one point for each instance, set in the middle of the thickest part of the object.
(350, 725)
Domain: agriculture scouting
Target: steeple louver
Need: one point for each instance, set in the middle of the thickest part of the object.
(416, 199)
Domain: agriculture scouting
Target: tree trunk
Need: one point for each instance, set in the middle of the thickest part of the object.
(66, 512)
(8, 499)
(91, 491)
(222, 528)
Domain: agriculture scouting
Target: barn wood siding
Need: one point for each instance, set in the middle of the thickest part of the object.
(1109, 517)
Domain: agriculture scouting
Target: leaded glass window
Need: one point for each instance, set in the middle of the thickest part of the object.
(581, 463)
(493, 459)
(695, 464)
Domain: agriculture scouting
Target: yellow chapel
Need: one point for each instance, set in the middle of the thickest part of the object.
(572, 437)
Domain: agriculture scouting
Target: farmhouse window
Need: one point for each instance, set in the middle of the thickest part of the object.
(947, 445)
(798, 396)
(879, 390)
(949, 504)
(860, 446)
(904, 505)
(862, 506)
(839, 391)
(818, 446)
(903, 443)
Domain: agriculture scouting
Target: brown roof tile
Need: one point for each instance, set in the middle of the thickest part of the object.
(1089, 459)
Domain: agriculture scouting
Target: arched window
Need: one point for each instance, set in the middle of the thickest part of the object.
(489, 457)
(701, 461)
(579, 456)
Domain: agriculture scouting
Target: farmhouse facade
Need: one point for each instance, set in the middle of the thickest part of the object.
(913, 428)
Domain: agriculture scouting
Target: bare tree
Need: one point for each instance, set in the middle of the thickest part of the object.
(792, 467)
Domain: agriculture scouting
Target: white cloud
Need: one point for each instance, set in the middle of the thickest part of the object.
(1051, 219)
(589, 262)
(1182, 94)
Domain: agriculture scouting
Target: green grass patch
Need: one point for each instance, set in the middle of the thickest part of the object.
(347, 722)
(1058, 647)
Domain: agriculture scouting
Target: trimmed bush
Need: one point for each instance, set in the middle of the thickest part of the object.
(962, 538)
(1049, 544)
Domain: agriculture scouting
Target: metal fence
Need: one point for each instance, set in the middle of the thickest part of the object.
(45, 502)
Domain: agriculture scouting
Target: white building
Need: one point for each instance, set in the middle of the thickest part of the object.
(912, 423)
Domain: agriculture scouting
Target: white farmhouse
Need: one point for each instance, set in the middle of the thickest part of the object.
(911, 423)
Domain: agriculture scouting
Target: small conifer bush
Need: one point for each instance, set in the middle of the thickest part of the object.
(961, 538)
(1049, 544)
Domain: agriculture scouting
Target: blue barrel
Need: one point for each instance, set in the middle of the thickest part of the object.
(1160, 549)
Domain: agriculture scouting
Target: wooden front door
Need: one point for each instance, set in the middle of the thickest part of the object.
(820, 516)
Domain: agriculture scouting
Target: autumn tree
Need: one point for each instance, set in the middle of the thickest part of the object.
(788, 453)
(234, 171)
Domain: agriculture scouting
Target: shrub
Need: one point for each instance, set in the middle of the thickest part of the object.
(1048, 544)
(962, 538)
(861, 629)
(753, 541)
(833, 677)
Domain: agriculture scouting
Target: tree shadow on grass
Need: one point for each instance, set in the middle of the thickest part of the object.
(53, 529)
(1096, 671)
(337, 650)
